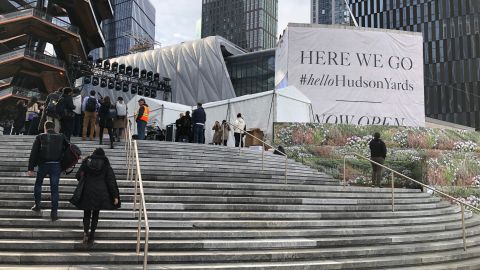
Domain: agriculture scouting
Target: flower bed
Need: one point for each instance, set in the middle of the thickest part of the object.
(437, 157)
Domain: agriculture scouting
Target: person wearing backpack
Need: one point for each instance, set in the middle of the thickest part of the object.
(120, 122)
(90, 107)
(47, 152)
(97, 190)
(106, 113)
(51, 109)
(67, 116)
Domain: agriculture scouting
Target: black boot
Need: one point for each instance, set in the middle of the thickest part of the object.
(36, 208)
(111, 145)
(91, 238)
(85, 238)
(54, 215)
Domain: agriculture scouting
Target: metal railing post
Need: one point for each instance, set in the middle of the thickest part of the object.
(263, 156)
(464, 234)
(263, 150)
(139, 228)
(136, 191)
(393, 192)
(344, 171)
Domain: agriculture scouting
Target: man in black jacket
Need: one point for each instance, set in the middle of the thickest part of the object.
(378, 153)
(199, 117)
(47, 152)
(67, 116)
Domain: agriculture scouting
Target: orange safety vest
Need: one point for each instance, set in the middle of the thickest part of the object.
(146, 114)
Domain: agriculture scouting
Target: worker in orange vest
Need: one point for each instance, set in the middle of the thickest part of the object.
(142, 118)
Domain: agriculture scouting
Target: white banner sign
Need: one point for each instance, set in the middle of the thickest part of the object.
(355, 75)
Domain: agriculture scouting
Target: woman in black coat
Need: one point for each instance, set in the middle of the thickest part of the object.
(106, 118)
(67, 117)
(97, 190)
(20, 116)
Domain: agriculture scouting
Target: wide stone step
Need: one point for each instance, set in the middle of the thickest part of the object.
(351, 258)
(395, 233)
(69, 218)
(69, 243)
(243, 186)
(64, 204)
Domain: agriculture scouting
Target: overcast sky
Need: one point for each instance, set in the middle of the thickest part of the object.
(179, 20)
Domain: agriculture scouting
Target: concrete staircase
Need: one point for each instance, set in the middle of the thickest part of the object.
(210, 208)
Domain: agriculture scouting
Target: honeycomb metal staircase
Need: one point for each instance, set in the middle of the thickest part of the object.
(210, 208)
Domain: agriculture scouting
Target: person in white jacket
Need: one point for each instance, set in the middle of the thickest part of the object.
(239, 130)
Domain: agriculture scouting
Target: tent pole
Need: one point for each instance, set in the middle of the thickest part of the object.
(274, 113)
(161, 119)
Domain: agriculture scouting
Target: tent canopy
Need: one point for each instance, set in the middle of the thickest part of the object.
(259, 111)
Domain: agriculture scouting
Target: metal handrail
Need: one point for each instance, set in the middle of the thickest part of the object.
(263, 148)
(462, 204)
(134, 174)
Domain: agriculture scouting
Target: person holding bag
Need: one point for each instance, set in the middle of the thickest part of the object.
(97, 190)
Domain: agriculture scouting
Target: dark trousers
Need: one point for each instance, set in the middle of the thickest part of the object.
(27, 127)
(17, 128)
(110, 134)
(68, 125)
(198, 134)
(377, 171)
(90, 220)
(141, 126)
(33, 126)
(238, 139)
(53, 170)
(77, 125)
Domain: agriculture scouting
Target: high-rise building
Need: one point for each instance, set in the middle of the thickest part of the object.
(133, 20)
(251, 24)
(329, 12)
(451, 32)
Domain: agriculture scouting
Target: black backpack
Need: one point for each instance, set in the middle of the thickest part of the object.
(51, 109)
(91, 105)
(71, 156)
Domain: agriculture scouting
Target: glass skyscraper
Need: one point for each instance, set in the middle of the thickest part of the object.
(132, 19)
(451, 32)
(252, 72)
(251, 24)
(329, 12)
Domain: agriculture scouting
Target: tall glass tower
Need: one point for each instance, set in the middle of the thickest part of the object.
(251, 24)
(451, 34)
(133, 20)
(329, 12)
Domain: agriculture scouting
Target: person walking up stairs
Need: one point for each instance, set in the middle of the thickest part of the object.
(46, 153)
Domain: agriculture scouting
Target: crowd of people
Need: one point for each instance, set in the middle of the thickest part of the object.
(192, 129)
(73, 115)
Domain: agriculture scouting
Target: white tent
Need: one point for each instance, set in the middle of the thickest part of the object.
(162, 113)
(259, 111)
